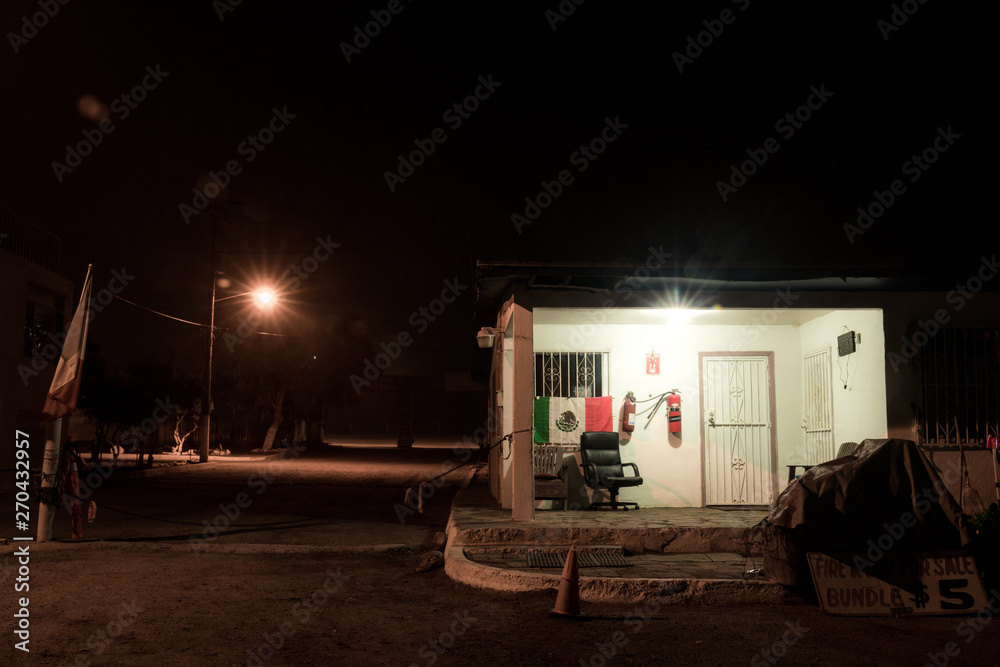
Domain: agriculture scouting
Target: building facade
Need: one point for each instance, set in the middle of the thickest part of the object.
(770, 372)
(36, 306)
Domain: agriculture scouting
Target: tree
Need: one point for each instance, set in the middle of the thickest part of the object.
(272, 373)
(182, 418)
(105, 400)
(127, 406)
(166, 393)
(290, 377)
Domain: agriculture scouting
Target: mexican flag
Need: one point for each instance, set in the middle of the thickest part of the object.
(562, 420)
(65, 388)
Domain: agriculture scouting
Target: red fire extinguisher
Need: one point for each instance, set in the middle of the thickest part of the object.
(674, 409)
(628, 413)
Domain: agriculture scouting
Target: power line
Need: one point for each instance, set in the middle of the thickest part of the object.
(196, 324)
(135, 244)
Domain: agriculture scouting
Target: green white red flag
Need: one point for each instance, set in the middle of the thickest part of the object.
(65, 388)
(562, 420)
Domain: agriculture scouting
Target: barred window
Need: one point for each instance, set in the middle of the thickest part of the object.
(571, 374)
(43, 319)
(960, 378)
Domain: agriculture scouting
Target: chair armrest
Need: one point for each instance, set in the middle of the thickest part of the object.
(589, 473)
(634, 468)
(793, 466)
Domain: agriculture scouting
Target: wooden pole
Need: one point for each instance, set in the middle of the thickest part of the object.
(50, 472)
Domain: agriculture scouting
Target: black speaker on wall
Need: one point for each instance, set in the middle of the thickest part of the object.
(845, 343)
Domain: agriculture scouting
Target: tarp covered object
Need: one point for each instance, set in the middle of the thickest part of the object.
(888, 498)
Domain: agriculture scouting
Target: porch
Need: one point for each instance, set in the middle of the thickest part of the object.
(476, 519)
(711, 555)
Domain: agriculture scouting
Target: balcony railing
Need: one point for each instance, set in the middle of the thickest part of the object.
(28, 241)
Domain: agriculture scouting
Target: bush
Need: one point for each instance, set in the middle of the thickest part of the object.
(986, 544)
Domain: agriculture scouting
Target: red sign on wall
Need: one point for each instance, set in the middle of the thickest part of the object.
(652, 364)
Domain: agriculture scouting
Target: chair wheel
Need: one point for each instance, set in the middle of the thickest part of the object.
(637, 507)
(625, 507)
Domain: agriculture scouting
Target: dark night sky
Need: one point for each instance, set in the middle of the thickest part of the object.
(323, 175)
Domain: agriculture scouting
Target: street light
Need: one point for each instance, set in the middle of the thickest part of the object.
(265, 298)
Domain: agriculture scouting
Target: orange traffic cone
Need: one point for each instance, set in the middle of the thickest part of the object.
(568, 600)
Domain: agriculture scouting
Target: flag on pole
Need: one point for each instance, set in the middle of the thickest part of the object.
(562, 420)
(65, 388)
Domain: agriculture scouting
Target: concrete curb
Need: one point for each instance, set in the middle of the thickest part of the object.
(162, 470)
(660, 539)
(130, 473)
(713, 592)
(242, 549)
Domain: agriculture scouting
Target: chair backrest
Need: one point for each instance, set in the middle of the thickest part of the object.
(847, 449)
(602, 449)
(546, 458)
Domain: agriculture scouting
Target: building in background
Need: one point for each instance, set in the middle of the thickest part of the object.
(35, 308)
(411, 409)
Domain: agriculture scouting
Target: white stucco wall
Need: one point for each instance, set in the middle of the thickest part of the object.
(856, 413)
(673, 467)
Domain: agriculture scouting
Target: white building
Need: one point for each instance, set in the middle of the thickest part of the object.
(757, 360)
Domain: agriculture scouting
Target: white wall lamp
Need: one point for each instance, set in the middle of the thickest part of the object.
(486, 336)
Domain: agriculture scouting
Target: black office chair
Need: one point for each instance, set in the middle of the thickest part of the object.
(603, 468)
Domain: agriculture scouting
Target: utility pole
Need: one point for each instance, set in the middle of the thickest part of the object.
(205, 422)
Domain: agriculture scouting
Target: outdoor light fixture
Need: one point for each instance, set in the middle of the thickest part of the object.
(266, 297)
(486, 335)
(679, 317)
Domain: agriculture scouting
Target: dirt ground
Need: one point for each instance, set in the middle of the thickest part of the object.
(156, 604)
(296, 594)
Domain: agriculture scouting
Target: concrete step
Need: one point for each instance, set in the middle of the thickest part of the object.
(666, 539)
(654, 579)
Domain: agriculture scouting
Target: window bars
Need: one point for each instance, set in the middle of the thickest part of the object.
(960, 383)
(571, 374)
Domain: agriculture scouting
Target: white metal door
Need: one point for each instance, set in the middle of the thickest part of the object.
(818, 401)
(737, 425)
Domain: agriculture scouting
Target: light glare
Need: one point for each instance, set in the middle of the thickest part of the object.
(266, 297)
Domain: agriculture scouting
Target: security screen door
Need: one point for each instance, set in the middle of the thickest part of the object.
(737, 404)
(818, 419)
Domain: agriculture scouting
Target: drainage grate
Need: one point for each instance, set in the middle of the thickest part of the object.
(598, 558)
(538, 558)
(603, 558)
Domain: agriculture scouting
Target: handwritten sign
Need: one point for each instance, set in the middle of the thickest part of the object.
(898, 585)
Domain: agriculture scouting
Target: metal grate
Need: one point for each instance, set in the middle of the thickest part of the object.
(596, 558)
(960, 374)
(571, 374)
